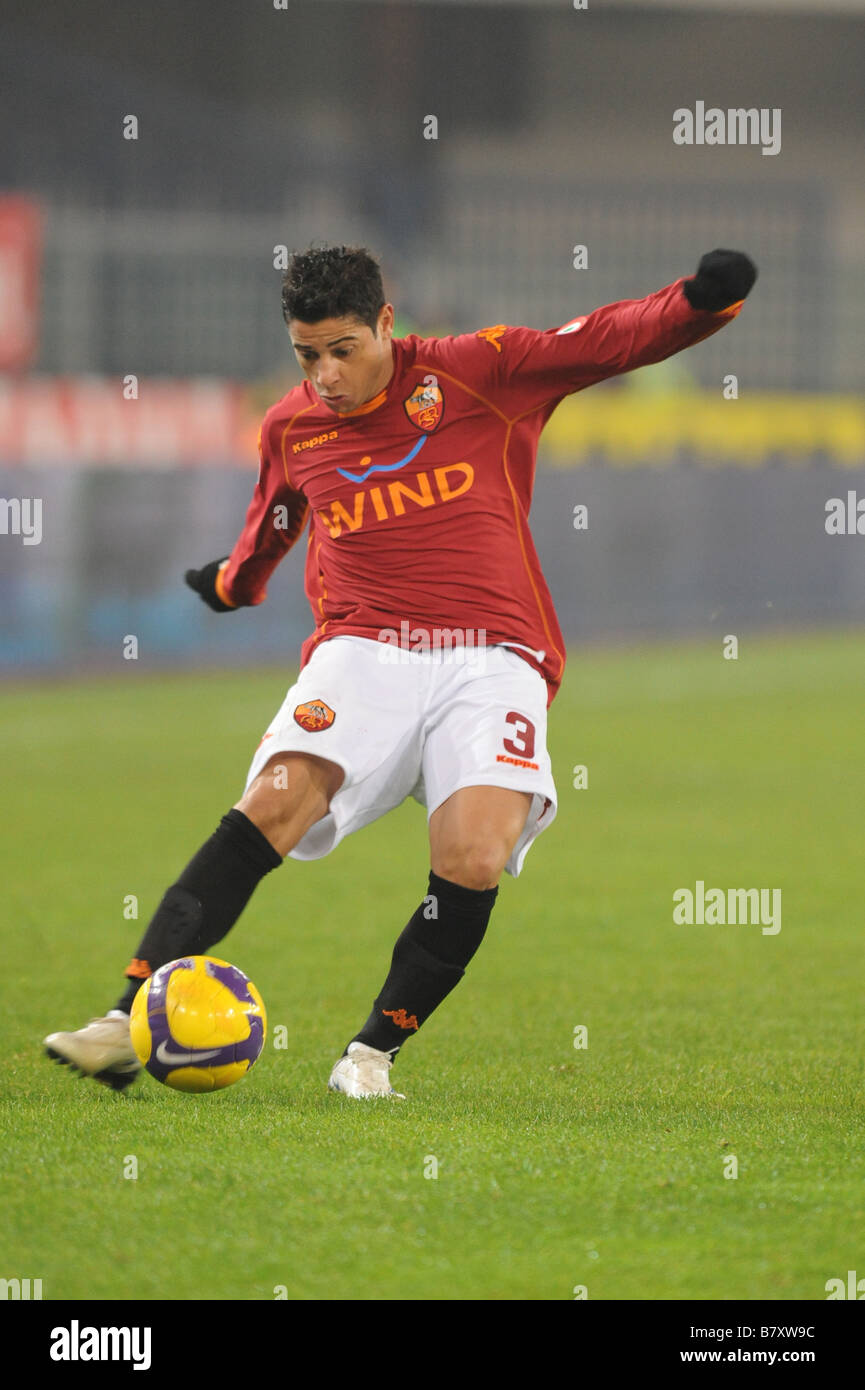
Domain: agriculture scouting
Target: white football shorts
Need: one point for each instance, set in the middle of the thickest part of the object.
(422, 724)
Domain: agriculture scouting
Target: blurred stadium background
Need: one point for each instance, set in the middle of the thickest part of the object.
(261, 127)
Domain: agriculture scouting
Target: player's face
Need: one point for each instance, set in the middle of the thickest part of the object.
(346, 363)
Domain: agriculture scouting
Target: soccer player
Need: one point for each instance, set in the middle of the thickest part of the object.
(436, 650)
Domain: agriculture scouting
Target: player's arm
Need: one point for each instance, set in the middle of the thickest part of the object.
(274, 520)
(534, 367)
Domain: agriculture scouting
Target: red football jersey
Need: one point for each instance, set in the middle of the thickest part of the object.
(419, 500)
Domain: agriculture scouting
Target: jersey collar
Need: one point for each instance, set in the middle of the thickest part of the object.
(384, 393)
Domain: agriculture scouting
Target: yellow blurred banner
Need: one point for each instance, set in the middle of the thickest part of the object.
(630, 429)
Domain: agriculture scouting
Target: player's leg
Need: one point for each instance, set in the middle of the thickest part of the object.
(472, 837)
(487, 782)
(289, 795)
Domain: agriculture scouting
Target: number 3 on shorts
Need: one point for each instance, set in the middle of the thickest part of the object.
(523, 740)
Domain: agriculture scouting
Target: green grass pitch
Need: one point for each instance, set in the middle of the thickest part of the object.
(557, 1167)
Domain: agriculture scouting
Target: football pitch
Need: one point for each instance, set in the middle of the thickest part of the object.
(707, 1141)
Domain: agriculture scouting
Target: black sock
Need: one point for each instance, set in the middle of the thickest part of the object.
(429, 959)
(205, 902)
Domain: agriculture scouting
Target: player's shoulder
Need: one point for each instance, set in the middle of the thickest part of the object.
(296, 406)
(471, 349)
(487, 359)
(297, 399)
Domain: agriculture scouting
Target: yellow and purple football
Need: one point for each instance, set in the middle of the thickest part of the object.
(198, 1024)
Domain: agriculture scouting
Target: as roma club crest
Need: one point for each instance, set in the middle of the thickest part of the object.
(314, 716)
(425, 407)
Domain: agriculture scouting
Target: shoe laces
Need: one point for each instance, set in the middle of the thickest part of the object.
(376, 1057)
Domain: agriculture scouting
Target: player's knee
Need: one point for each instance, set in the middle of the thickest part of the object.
(290, 794)
(479, 865)
(289, 777)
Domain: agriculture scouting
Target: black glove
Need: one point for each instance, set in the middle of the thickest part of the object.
(723, 278)
(204, 583)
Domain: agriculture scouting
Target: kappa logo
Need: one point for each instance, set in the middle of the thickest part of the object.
(315, 442)
(492, 335)
(402, 1019)
(138, 969)
(425, 407)
(314, 715)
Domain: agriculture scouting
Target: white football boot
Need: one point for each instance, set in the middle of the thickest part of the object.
(363, 1073)
(102, 1050)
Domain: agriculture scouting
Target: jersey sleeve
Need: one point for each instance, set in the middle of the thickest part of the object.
(526, 368)
(275, 519)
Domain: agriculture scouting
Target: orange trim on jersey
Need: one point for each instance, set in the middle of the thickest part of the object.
(323, 595)
(528, 567)
(436, 371)
(532, 410)
(288, 427)
(731, 308)
(508, 419)
(219, 586)
(365, 409)
(319, 631)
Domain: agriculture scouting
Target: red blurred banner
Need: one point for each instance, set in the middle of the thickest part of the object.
(20, 266)
(91, 422)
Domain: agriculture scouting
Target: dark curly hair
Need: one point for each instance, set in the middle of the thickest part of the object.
(330, 282)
